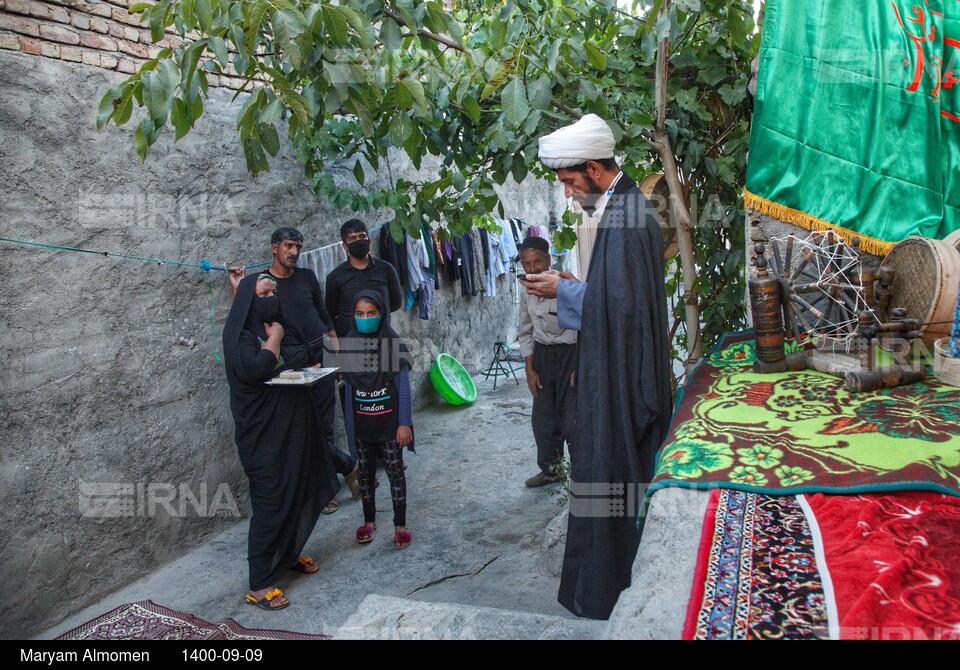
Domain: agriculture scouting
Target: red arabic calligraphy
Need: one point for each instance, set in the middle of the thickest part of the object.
(921, 27)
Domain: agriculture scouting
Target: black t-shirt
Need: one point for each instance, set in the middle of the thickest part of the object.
(301, 300)
(376, 413)
(345, 281)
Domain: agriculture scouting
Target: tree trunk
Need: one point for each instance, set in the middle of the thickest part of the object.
(678, 205)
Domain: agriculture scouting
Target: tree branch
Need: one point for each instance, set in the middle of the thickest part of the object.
(422, 32)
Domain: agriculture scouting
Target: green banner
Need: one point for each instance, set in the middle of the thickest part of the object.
(857, 119)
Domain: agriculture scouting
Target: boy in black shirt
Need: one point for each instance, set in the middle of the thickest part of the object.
(359, 272)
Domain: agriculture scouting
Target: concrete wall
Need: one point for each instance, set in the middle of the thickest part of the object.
(107, 369)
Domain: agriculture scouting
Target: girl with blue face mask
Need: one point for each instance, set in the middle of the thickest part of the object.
(379, 415)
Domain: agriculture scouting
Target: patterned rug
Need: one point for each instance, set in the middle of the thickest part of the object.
(893, 564)
(862, 567)
(803, 432)
(146, 620)
(757, 575)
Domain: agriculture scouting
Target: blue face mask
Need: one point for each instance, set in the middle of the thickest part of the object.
(367, 325)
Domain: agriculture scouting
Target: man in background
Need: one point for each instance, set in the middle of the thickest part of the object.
(360, 272)
(550, 354)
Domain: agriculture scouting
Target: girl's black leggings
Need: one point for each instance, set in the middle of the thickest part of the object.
(392, 455)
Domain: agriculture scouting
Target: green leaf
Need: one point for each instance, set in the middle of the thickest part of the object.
(733, 94)
(390, 35)
(106, 109)
(359, 24)
(498, 35)
(269, 138)
(541, 92)
(156, 26)
(596, 57)
(271, 112)
(514, 102)
(532, 125)
(409, 14)
(358, 173)
(366, 119)
(187, 15)
(415, 88)
(124, 109)
(254, 13)
(204, 14)
(472, 107)
(197, 108)
(565, 239)
(191, 58)
(401, 128)
(256, 158)
(141, 143)
(138, 7)
(287, 26)
(519, 169)
(220, 50)
(336, 25)
(458, 181)
(181, 117)
(156, 93)
(499, 76)
(553, 54)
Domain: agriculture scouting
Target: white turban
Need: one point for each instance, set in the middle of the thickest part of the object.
(589, 139)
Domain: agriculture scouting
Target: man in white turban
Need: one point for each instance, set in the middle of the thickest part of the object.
(623, 375)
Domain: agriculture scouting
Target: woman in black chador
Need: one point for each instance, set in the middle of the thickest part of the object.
(280, 443)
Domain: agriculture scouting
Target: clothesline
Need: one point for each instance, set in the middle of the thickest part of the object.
(484, 271)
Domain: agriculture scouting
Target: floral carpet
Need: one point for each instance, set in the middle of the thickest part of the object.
(757, 576)
(861, 567)
(803, 432)
(146, 620)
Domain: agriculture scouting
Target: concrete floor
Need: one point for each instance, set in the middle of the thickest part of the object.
(478, 535)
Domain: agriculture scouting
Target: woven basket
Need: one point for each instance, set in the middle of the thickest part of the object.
(927, 274)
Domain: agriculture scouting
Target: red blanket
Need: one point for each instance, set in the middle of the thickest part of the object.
(894, 564)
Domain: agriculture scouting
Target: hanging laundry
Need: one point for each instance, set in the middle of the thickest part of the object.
(429, 241)
(498, 263)
(485, 247)
(516, 232)
(508, 245)
(451, 260)
(441, 258)
(464, 250)
(416, 261)
(323, 260)
(427, 290)
(479, 272)
(395, 254)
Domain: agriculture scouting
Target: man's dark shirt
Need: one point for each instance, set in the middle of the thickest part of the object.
(345, 281)
(301, 300)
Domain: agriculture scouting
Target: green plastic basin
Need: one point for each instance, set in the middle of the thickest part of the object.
(452, 381)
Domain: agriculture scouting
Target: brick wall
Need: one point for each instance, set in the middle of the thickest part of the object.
(98, 33)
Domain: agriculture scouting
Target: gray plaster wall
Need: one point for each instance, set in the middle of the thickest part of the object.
(107, 368)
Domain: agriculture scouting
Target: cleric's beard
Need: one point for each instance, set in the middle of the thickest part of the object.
(589, 200)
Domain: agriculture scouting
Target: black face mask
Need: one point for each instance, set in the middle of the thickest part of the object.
(265, 310)
(359, 249)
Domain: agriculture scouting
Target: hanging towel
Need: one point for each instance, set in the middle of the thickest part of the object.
(322, 260)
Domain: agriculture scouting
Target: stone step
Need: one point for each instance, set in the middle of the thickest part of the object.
(386, 618)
